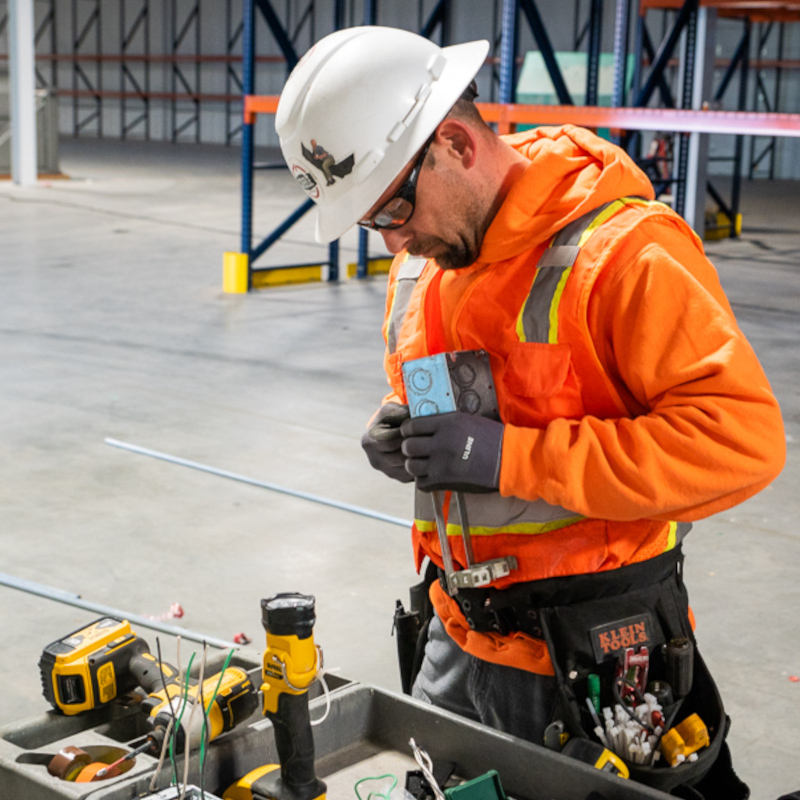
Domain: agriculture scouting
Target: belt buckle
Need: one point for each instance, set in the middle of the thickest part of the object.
(479, 614)
(498, 624)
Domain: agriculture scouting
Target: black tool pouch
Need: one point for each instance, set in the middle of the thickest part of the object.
(411, 628)
(642, 604)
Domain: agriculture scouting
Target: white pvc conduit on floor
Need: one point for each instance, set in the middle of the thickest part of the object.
(59, 595)
(365, 512)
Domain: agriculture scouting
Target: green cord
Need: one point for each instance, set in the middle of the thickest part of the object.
(174, 737)
(205, 714)
(384, 796)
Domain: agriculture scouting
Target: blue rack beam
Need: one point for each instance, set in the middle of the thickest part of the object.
(286, 46)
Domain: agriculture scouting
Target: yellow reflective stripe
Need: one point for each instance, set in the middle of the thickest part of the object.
(609, 211)
(520, 528)
(604, 215)
(425, 525)
(552, 336)
(599, 220)
(671, 536)
(520, 327)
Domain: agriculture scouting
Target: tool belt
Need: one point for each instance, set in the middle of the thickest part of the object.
(520, 607)
(587, 622)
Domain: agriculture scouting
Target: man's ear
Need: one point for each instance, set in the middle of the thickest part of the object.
(459, 141)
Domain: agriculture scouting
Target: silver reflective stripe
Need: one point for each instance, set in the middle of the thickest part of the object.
(423, 506)
(407, 277)
(411, 268)
(682, 531)
(536, 315)
(550, 269)
(493, 511)
(563, 255)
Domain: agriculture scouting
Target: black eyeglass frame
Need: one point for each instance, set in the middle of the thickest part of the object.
(407, 192)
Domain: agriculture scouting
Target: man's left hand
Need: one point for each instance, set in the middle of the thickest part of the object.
(457, 451)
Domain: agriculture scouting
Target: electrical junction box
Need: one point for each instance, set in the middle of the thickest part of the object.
(484, 787)
(446, 382)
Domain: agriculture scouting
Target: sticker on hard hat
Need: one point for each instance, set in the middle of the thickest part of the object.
(332, 169)
(306, 180)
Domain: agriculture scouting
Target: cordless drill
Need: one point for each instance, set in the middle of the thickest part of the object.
(93, 665)
(227, 698)
(289, 668)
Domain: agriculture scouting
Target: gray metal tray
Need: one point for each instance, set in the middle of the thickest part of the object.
(366, 734)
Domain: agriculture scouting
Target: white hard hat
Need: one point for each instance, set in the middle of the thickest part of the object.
(357, 108)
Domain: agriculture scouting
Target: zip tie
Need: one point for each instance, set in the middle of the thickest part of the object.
(602, 737)
(593, 712)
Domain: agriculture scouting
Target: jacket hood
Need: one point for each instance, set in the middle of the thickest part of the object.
(572, 171)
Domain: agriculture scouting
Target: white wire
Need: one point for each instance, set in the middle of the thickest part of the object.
(171, 725)
(164, 748)
(426, 765)
(321, 679)
(187, 747)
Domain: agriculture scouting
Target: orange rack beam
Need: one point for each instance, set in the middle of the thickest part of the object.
(756, 10)
(258, 104)
(641, 119)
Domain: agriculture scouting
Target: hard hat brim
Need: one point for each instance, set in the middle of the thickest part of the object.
(462, 64)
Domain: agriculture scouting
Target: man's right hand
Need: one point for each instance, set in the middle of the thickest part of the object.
(382, 442)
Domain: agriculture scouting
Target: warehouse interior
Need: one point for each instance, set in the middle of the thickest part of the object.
(170, 443)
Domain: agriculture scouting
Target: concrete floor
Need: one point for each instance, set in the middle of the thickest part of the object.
(113, 324)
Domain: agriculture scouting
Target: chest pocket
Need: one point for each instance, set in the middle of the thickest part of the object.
(540, 385)
(539, 377)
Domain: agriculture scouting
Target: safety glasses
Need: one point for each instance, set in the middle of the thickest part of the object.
(397, 210)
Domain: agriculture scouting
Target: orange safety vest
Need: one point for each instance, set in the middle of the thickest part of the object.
(530, 314)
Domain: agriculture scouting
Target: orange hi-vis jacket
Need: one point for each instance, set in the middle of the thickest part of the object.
(631, 400)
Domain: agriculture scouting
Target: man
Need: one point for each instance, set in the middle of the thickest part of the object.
(325, 160)
(630, 403)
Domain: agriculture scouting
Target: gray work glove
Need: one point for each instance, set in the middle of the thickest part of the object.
(457, 451)
(382, 442)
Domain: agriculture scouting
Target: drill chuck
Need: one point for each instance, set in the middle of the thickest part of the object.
(228, 699)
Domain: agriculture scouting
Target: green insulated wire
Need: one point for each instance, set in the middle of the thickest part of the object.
(205, 723)
(174, 743)
(381, 795)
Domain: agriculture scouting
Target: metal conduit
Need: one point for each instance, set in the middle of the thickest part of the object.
(70, 599)
(365, 512)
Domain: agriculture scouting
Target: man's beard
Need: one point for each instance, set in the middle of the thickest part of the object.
(447, 255)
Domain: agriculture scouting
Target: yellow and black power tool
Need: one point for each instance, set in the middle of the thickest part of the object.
(94, 665)
(228, 698)
(291, 663)
(104, 660)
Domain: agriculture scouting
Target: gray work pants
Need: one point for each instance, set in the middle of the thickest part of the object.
(511, 700)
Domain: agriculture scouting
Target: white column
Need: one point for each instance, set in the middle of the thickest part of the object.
(22, 86)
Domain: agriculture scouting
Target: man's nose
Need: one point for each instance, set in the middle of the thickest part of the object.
(395, 239)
